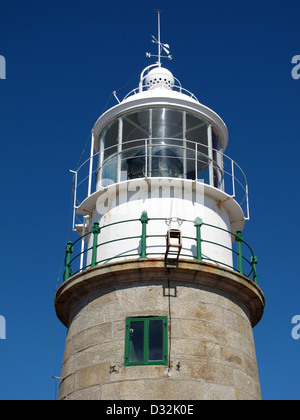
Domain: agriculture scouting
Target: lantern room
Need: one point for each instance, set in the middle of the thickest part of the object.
(160, 130)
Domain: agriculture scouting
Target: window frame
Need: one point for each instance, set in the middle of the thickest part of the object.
(146, 362)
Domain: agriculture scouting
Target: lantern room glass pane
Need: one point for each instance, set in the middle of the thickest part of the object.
(109, 173)
(167, 123)
(135, 126)
(167, 162)
(196, 129)
(110, 139)
(134, 163)
(218, 175)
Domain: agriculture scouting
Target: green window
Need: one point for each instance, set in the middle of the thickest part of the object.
(146, 341)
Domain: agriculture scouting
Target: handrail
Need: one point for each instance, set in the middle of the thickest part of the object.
(176, 88)
(142, 87)
(198, 223)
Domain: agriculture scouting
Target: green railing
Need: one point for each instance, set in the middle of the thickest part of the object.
(245, 262)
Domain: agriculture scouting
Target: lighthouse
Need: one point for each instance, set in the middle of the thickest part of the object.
(160, 291)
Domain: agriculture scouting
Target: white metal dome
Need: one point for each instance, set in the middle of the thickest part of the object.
(159, 77)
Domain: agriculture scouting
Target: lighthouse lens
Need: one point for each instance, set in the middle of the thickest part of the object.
(166, 162)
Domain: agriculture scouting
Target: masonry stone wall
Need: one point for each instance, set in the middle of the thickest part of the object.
(212, 353)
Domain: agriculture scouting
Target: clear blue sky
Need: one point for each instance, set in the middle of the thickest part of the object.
(64, 58)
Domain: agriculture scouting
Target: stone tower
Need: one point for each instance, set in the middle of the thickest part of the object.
(160, 289)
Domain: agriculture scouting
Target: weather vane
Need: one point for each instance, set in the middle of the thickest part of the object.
(161, 47)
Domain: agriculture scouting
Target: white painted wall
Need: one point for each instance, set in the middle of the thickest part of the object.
(161, 198)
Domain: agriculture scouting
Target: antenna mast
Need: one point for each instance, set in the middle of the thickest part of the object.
(158, 34)
(165, 47)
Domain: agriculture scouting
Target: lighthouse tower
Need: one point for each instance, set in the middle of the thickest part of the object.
(160, 290)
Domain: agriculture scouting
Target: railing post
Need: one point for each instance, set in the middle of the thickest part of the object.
(95, 231)
(69, 250)
(198, 223)
(254, 264)
(91, 164)
(144, 220)
(146, 158)
(239, 239)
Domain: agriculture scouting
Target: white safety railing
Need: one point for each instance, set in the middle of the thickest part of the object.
(175, 87)
(195, 160)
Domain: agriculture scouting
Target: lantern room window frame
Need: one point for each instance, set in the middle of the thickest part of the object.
(182, 133)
